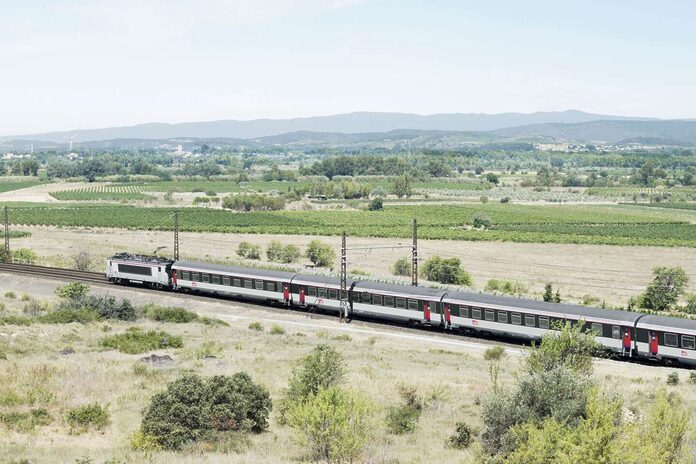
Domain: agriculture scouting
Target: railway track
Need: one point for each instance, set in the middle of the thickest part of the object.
(53, 272)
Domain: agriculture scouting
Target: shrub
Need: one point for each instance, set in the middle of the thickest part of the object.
(14, 319)
(320, 254)
(192, 406)
(73, 291)
(108, 308)
(253, 202)
(26, 421)
(289, 254)
(692, 377)
(690, 306)
(507, 287)
(505, 200)
(571, 347)
(89, 416)
(69, 315)
(169, 314)
(673, 378)
(461, 438)
(256, 325)
(343, 338)
(402, 267)
(324, 367)
(494, 353)
(376, 204)
(249, 250)
(402, 419)
(25, 297)
(277, 330)
(333, 425)
(446, 271)
(24, 255)
(274, 250)
(481, 221)
(10, 295)
(135, 341)
(483, 199)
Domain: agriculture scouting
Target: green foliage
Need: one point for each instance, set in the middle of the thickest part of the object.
(73, 291)
(257, 326)
(333, 425)
(692, 377)
(690, 307)
(494, 353)
(461, 438)
(135, 341)
(376, 204)
(403, 419)
(191, 407)
(87, 417)
(275, 251)
(673, 378)
(10, 295)
(667, 286)
(69, 315)
(14, 319)
(26, 421)
(569, 346)
(277, 330)
(508, 287)
(445, 271)
(324, 367)
(253, 202)
(320, 254)
(402, 267)
(548, 293)
(401, 186)
(169, 314)
(249, 250)
(481, 221)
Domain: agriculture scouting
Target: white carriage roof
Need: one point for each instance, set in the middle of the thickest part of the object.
(405, 290)
(246, 271)
(320, 279)
(667, 322)
(543, 306)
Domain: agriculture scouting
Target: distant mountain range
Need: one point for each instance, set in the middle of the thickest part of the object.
(437, 130)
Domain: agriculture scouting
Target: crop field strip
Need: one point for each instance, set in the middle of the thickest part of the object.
(10, 186)
(611, 225)
(103, 193)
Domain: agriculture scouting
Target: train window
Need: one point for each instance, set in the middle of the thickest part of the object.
(389, 301)
(321, 292)
(688, 342)
(333, 294)
(196, 277)
(543, 322)
(248, 283)
(490, 315)
(184, 275)
(464, 311)
(237, 282)
(597, 329)
(516, 318)
(205, 278)
(671, 339)
(312, 291)
(529, 320)
(365, 298)
(502, 317)
(413, 305)
(615, 331)
(216, 279)
(401, 303)
(475, 313)
(258, 284)
(270, 287)
(226, 281)
(377, 300)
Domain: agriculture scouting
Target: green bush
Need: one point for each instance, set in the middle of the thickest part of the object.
(253, 202)
(376, 204)
(402, 267)
(10, 295)
(249, 250)
(289, 254)
(90, 416)
(277, 330)
(446, 271)
(73, 291)
(333, 425)
(169, 314)
(672, 378)
(404, 418)
(461, 438)
(571, 347)
(68, 315)
(494, 353)
(192, 407)
(507, 287)
(135, 341)
(24, 255)
(324, 367)
(257, 326)
(26, 421)
(692, 377)
(481, 221)
(14, 319)
(274, 250)
(320, 254)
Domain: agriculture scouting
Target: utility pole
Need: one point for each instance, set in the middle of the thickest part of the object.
(414, 255)
(8, 256)
(176, 236)
(343, 316)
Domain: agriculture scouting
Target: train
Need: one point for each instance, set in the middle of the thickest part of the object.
(626, 334)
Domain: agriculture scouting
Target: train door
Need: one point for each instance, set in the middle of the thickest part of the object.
(627, 341)
(448, 315)
(286, 293)
(653, 343)
(302, 295)
(426, 311)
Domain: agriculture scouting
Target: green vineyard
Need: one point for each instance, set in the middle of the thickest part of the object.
(103, 193)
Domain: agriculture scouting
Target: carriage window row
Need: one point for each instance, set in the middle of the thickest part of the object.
(389, 301)
(505, 317)
(687, 341)
(228, 281)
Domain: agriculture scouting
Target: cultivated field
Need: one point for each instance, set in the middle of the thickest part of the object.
(450, 374)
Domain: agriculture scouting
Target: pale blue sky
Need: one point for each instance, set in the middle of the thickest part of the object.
(68, 64)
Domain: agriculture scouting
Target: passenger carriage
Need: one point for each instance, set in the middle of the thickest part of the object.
(314, 291)
(398, 302)
(666, 338)
(256, 284)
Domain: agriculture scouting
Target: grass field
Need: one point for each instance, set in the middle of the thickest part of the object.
(103, 193)
(10, 186)
(612, 225)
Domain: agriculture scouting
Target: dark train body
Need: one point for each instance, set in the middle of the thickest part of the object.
(625, 333)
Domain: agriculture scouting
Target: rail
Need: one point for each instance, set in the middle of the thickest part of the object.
(54, 272)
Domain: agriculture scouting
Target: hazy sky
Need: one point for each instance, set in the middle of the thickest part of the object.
(68, 64)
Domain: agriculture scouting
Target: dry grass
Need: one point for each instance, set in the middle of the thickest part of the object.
(450, 378)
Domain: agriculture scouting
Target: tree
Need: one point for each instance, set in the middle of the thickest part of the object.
(570, 346)
(334, 425)
(557, 296)
(274, 250)
(249, 250)
(320, 254)
(402, 186)
(289, 254)
(446, 271)
(402, 267)
(481, 221)
(82, 261)
(548, 292)
(375, 204)
(492, 178)
(667, 286)
(74, 291)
